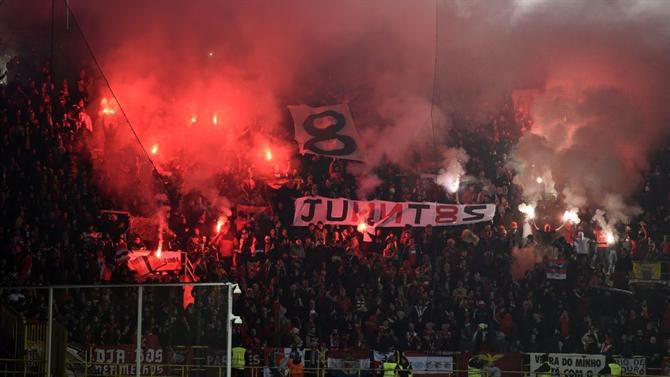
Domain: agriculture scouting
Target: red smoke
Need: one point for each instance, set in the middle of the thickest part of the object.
(600, 69)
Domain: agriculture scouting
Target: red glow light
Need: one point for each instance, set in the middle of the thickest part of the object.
(362, 227)
(159, 250)
(106, 108)
(219, 224)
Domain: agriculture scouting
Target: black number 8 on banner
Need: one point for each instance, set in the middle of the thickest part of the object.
(328, 133)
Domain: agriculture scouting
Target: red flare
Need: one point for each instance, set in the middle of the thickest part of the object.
(362, 227)
(219, 224)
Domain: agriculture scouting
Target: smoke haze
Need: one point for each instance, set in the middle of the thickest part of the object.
(598, 71)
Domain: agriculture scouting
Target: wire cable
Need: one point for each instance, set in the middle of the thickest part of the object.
(435, 61)
(123, 112)
(53, 38)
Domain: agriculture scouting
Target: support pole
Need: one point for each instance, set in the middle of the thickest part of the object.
(50, 329)
(67, 15)
(138, 344)
(229, 330)
(51, 56)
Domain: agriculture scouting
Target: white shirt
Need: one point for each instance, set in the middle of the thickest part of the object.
(582, 246)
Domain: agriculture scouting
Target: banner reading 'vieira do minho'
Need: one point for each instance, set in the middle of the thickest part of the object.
(377, 213)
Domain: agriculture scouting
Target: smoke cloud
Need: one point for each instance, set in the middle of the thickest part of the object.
(596, 71)
(454, 169)
(590, 144)
(175, 69)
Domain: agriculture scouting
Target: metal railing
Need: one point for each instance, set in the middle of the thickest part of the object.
(16, 367)
(37, 342)
(22, 367)
(19, 367)
(11, 325)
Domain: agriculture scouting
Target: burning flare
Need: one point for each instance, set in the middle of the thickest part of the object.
(154, 149)
(605, 227)
(106, 107)
(539, 180)
(159, 249)
(215, 119)
(451, 182)
(571, 216)
(268, 154)
(194, 118)
(219, 224)
(454, 169)
(528, 210)
(362, 227)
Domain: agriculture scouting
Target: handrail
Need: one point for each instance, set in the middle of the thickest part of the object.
(180, 370)
(184, 370)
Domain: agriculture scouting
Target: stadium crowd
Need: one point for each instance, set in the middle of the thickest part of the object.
(451, 288)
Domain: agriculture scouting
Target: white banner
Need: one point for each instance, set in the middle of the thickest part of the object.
(633, 366)
(377, 213)
(327, 130)
(424, 364)
(570, 364)
(120, 360)
(145, 262)
(348, 362)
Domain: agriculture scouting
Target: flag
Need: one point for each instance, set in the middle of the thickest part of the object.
(327, 131)
(187, 297)
(557, 269)
(647, 270)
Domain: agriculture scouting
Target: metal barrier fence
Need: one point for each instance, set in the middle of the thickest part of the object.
(11, 325)
(178, 370)
(35, 321)
(13, 367)
(35, 346)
